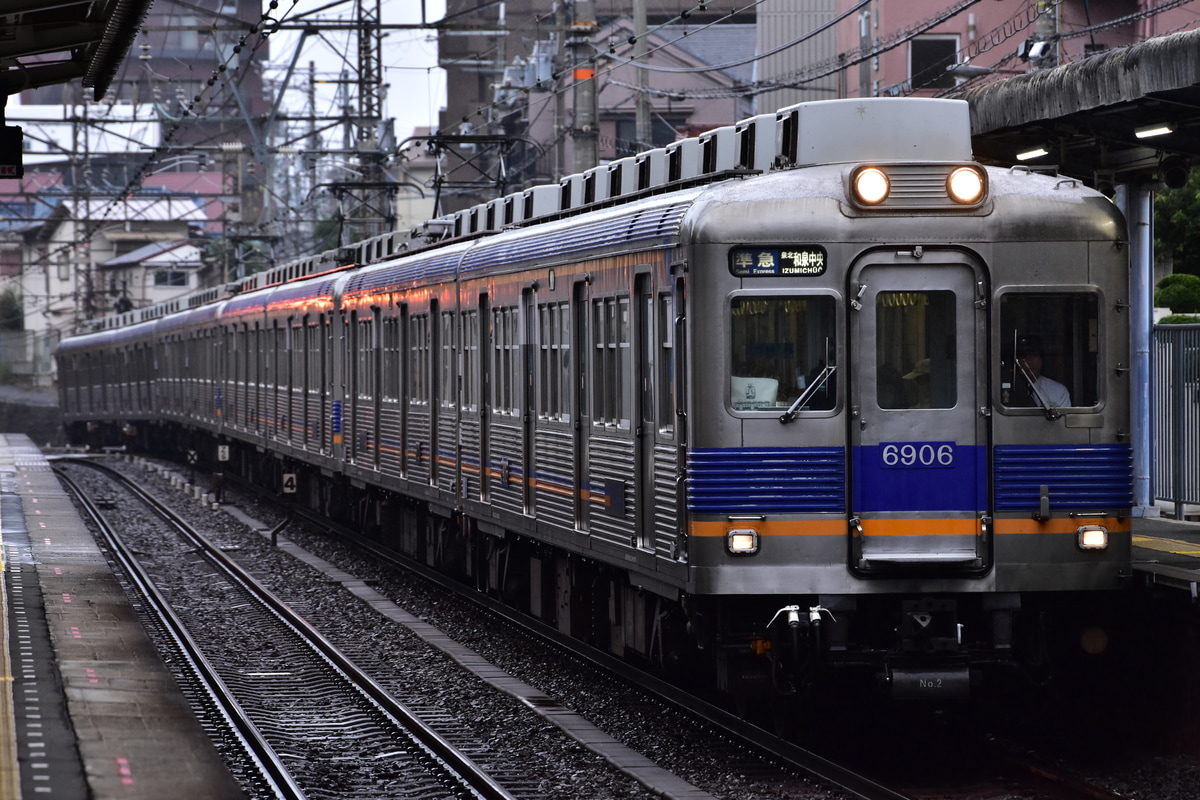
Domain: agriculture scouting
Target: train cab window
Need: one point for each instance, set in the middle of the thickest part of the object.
(915, 356)
(780, 347)
(1049, 350)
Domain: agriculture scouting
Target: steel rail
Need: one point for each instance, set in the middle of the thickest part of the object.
(270, 766)
(469, 773)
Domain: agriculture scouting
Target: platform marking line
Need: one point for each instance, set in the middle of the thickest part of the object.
(125, 771)
(1167, 545)
(10, 776)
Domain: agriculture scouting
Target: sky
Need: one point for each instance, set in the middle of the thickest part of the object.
(416, 87)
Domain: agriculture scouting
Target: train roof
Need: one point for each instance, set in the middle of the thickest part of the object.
(596, 209)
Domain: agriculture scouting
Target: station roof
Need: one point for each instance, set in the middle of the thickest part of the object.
(1086, 114)
(46, 42)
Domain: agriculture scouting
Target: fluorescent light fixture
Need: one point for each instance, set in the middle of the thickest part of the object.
(1152, 130)
(1035, 153)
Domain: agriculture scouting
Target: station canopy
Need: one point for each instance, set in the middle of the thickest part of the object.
(1126, 115)
(46, 42)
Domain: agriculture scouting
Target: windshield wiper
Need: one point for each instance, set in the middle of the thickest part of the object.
(817, 383)
(1051, 410)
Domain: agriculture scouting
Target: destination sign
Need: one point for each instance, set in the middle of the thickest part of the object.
(805, 260)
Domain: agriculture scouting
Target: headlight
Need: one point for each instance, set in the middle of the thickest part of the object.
(1092, 537)
(742, 541)
(965, 185)
(871, 186)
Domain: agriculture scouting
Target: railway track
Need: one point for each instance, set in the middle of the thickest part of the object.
(1029, 779)
(314, 722)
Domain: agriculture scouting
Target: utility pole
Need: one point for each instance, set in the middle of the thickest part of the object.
(642, 124)
(583, 72)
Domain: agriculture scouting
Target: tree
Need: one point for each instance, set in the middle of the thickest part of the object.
(1177, 224)
(12, 314)
(1180, 293)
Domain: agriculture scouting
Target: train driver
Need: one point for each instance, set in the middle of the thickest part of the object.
(1029, 355)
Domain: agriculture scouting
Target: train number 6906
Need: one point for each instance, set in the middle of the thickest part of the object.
(917, 454)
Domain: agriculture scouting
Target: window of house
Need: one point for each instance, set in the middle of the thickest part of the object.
(928, 58)
(170, 277)
(662, 133)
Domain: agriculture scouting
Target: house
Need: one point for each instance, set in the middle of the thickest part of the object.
(154, 273)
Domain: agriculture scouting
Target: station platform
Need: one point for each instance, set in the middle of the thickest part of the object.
(1166, 552)
(87, 707)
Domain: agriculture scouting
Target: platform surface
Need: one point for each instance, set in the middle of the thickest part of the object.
(87, 707)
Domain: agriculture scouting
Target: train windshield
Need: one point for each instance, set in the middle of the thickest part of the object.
(1049, 350)
(781, 344)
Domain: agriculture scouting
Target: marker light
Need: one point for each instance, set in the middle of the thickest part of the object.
(965, 185)
(1092, 537)
(742, 541)
(871, 186)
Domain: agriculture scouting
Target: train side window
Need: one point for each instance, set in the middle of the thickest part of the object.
(418, 365)
(779, 345)
(610, 337)
(506, 362)
(470, 376)
(1049, 350)
(554, 345)
(666, 364)
(447, 389)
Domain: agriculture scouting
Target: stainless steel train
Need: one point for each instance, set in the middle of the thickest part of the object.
(814, 395)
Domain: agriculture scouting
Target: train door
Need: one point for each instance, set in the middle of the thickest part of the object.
(433, 382)
(646, 426)
(529, 348)
(484, 393)
(918, 437)
(580, 418)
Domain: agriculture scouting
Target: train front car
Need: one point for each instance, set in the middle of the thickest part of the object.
(908, 406)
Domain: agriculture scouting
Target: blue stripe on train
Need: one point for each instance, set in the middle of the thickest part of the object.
(794, 480)
(920, 476)
(1085, 477)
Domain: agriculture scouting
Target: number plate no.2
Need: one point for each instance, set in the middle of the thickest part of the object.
(908, 455)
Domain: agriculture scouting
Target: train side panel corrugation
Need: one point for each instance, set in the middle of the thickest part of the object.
(469, 438)
(293, 431)
(666, 512)
(794, 480)
(555, 460)
(506, 460)
(417, 444)
(312, 434)
(1082, 478)
(611, 467)
(447, 471)
(360, 441)
(389, 439)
